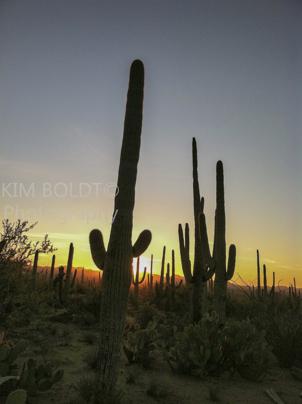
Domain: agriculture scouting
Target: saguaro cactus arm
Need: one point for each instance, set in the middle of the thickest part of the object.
(97, 248)
(184, 247)
(231, 262)
(135, 279)
(162, 269)
(142, 243)
(208, 262)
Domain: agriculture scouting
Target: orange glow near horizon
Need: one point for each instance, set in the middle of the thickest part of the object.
(245, 266)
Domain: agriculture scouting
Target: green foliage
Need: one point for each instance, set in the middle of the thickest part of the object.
(8, 357)
(18, 396)
(208, 348)
(284, 334)
(140, 345)
(90, 392)
(198, 348)
(245, 349)
(37, 377)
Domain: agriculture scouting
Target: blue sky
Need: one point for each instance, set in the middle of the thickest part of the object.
(225, 72)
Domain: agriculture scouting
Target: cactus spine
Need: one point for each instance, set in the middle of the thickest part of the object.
(117, 260)
(223, 273)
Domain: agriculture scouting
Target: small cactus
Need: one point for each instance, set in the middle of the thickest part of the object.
(136, 281)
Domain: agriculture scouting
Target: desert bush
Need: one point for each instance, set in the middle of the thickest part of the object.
(198, 348)
(284, 334)
(208, 348)
(89, 392)
(245, 349)
(140, 344)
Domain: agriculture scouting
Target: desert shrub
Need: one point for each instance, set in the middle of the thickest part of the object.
(146, 313)
(140, 344)
(198, 348)
(208, 348)
(89, 392)
(284, 334)
(245, 349)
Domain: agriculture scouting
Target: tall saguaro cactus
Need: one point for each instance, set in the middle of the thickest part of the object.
(223, 272)
(116, 262)
(203, 266)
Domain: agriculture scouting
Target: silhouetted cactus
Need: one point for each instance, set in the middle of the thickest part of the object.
(58, 283)
(136, 281)
(68, 270)
(264, 281)
(258, 275)
(74, 278)
(204, 265)
(162, 270)
(184, 246)
(83, 275)
(116, 261)
(223, 272)
(168, 275)
(151, 273)
(34, 270)
(52, 269)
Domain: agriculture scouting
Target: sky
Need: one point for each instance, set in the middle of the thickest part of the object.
(225, 72)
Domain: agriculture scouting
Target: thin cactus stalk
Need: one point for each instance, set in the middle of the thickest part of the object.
(34, 270)
(68, 271)
(74, 278)
(52, 270)
(184, 247)
(272, 291)
(151, 273)
(173, 270)
(136, 280)
(116, 262)
(168, 275)
(258, 275)
(223, 272)
(264, 280)
(162, 270)
(295, 288)
(83, 275)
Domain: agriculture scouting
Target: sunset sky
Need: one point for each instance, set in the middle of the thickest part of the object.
(225, 72)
